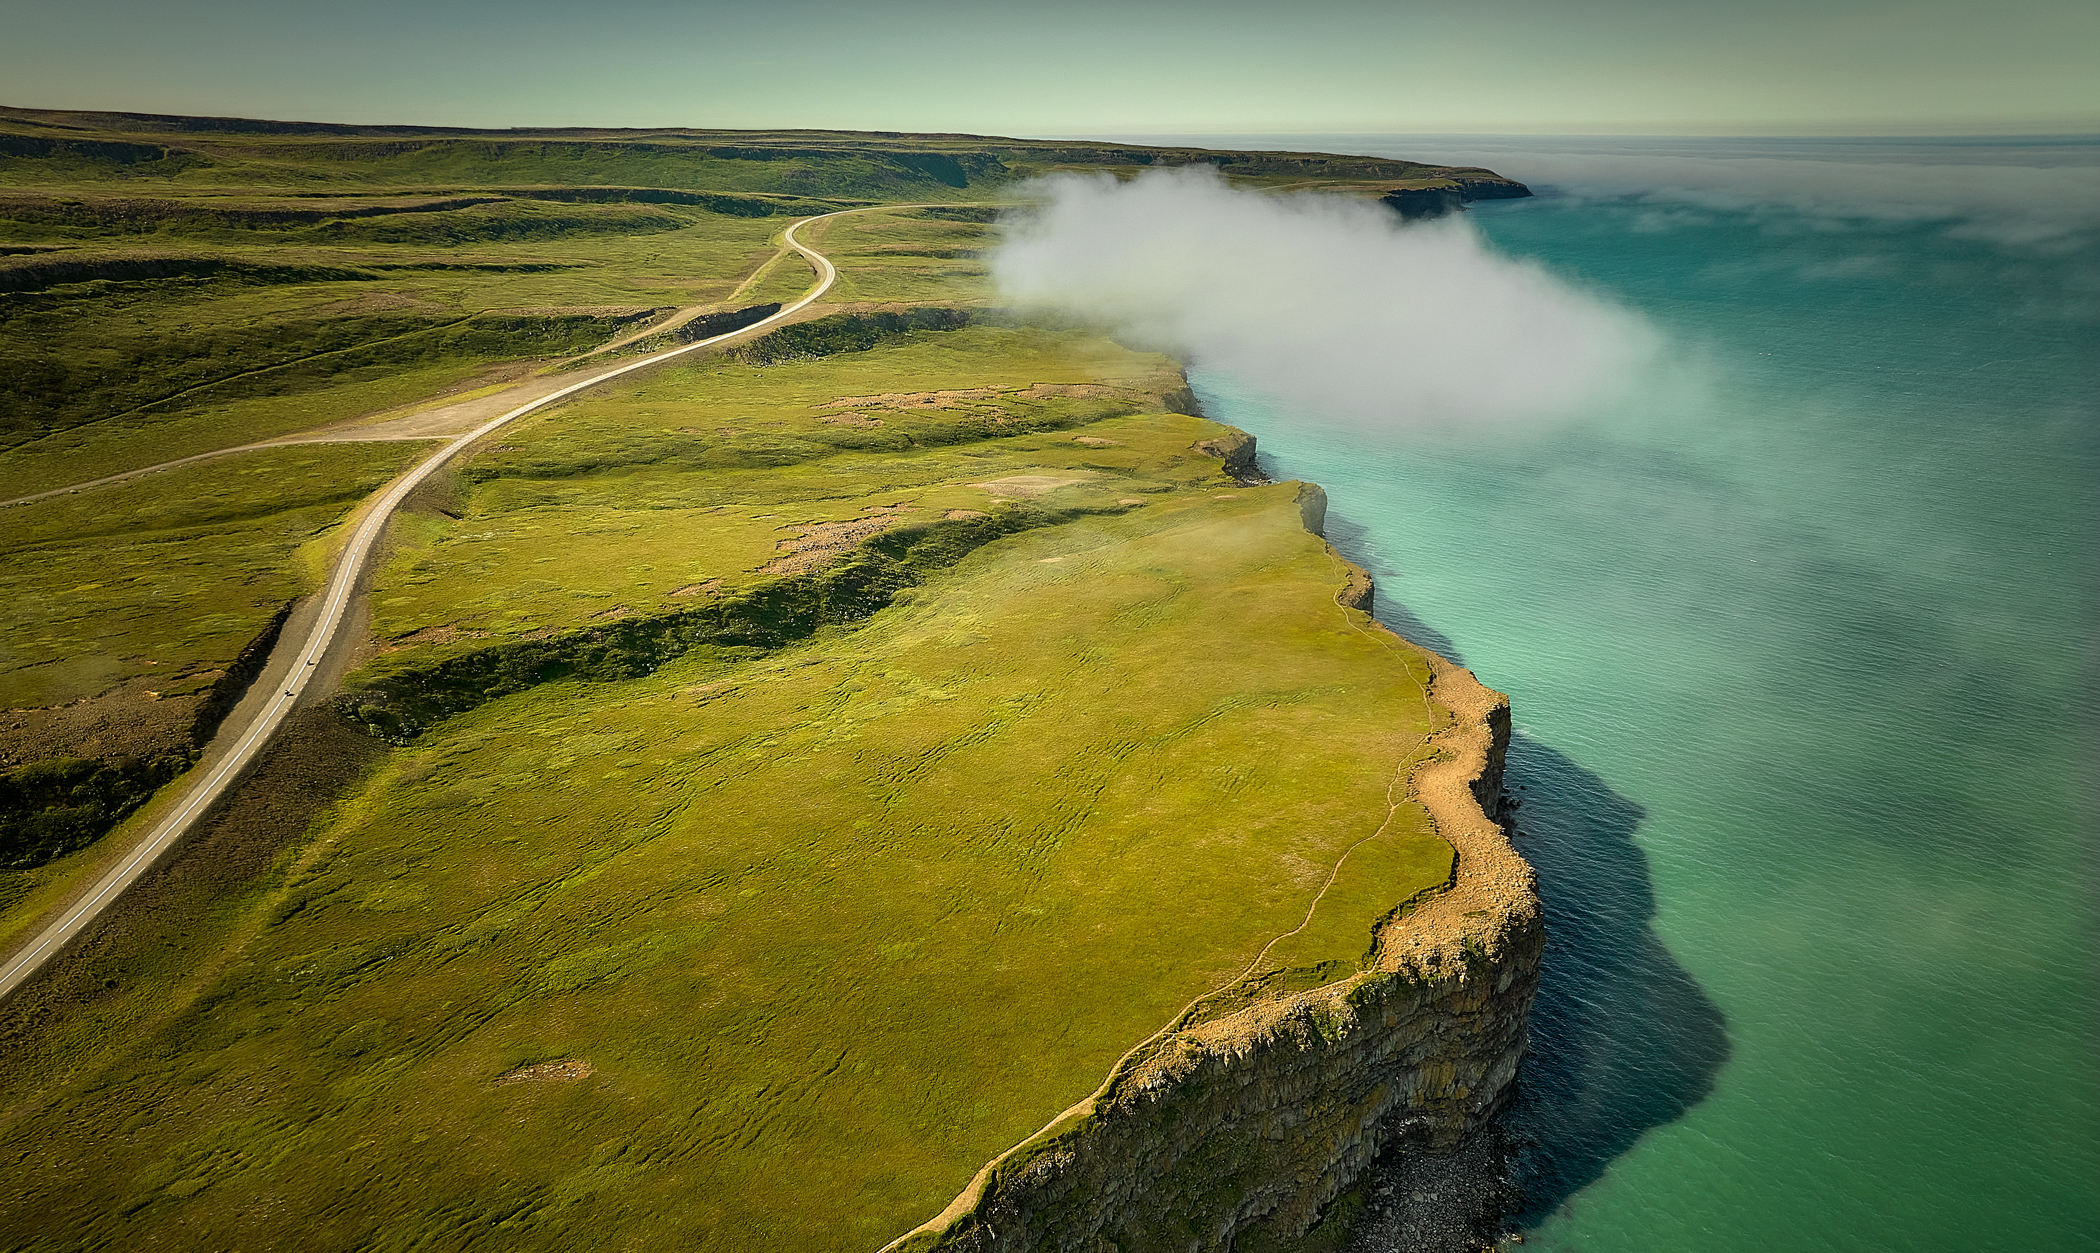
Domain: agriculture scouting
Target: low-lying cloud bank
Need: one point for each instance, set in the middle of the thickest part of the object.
(2016, 205)
(2039, 194)
(1327, 302)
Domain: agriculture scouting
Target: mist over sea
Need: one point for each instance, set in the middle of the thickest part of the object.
(1800, 639)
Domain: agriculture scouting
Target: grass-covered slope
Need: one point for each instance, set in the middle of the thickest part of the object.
(811, 766)
(170, 571)
(129, 600)
(57, 146)
(156, 272)
(130, 611)
(772, 946)
(683, 486)
(127, 349)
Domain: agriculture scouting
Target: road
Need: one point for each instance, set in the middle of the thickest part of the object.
(414, 426)
(218, 777)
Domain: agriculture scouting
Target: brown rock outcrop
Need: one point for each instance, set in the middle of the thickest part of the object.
(1236, 450)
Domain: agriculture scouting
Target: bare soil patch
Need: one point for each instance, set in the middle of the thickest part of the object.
(561, 1070)
(1026, 484)
(821, 542)
(134, 720)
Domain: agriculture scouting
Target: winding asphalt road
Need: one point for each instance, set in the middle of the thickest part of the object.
(342, 587)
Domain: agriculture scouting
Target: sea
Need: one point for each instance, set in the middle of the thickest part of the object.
(1803, 667)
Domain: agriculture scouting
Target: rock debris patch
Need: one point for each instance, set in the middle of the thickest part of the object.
(1026, 485)
(560, 1070)
(818, 544)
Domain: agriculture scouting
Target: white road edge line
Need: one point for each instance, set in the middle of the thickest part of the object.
(342, 584)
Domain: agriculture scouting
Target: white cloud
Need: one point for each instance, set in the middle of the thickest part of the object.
(1330, 303)
(2049, 206)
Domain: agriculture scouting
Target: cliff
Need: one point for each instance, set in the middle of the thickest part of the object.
(1236, 450)
(1239, 1113)
(1436, 197)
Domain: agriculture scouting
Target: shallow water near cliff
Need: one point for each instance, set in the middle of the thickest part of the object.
(1800, 645)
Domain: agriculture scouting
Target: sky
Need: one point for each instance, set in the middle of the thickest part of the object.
(1081, 67)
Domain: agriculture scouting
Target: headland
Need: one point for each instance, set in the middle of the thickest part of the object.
(768, 789)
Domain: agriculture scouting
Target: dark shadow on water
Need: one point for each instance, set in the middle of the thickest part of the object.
(1623, 1039)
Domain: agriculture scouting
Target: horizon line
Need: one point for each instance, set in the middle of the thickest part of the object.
(1942, 128)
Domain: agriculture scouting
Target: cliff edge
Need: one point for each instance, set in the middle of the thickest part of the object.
(1435, 197)
(1240, 1113)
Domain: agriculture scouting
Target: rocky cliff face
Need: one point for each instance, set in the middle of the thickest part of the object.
(1447, 195)
(1241, 1113)
(1236, 450)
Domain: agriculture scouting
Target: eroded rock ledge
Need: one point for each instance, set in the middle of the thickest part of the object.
(1263, 1115)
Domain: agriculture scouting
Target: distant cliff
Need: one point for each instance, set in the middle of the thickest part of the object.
(723, 171)
(1430, 198)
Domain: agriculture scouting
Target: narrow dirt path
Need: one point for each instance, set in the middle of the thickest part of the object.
(245, 739)
(444, 421)
(680, 317)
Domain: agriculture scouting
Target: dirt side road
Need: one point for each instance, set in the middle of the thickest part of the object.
(314, 636)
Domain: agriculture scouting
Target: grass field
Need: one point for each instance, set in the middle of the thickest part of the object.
(906, 257)
(154, 269)
(171, 574)
(827, 927)
(117, 372)
(148, 152)
(971, 723)
(704, 474)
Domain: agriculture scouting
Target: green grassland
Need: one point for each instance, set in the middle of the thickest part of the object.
(160, 581)
(699, 473)
(885, 257)
(86, 454)
(156, 271)
(50, 146)
(830, 924)
(117, 372)
(170, 574)
(807, 767)
(145, 594)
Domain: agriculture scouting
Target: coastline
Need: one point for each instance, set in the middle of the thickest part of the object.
(1416, 1051)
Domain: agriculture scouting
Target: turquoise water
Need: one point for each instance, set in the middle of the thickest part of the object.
(1801, 646)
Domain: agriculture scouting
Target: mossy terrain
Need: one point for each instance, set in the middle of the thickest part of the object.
(145, 589)
(157, 272)
(169, 575)
(785, 940)
(149, 593)
(807, 767)
(113, 368)
(56, 806)
(702, 473)
(905, 257)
